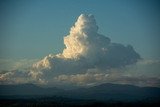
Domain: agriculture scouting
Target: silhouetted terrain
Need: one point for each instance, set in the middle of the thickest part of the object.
(27, 89)
(102, 95)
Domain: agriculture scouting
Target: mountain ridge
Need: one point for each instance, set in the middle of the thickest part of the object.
(102, 92)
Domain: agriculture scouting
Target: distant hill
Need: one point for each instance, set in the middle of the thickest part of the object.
(27, 89)
(117, 92)
(101, 92)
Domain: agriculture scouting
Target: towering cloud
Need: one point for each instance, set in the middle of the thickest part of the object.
(86, 46)
(85, 50)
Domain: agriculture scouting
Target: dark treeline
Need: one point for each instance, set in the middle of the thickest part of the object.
(67, 102)
(103, 95)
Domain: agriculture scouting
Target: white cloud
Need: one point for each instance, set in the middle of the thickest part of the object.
(86, 49)
(14, 77)
(89, 58)
(92, 76)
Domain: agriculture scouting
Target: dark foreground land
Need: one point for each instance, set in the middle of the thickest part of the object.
(104, 95)
(68, 102)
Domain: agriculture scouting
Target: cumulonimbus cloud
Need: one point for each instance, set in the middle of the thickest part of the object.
(85, 49)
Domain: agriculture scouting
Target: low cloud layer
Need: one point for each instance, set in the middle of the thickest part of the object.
(88, 58)
(143, 73)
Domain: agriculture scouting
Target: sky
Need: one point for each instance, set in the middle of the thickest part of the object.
(58, 42)
(35, 28)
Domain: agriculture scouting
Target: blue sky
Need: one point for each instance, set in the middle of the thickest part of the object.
(35, 28)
